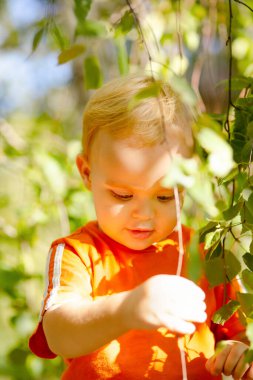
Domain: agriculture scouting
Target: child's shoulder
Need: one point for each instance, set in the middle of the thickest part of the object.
(84, 235)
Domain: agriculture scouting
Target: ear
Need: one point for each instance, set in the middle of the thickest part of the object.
(84, 169)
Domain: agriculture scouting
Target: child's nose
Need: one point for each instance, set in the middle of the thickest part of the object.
(143, 210)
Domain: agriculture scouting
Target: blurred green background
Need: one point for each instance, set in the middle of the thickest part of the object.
(42, 97)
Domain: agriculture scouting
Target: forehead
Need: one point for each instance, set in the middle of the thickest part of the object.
(121, 162)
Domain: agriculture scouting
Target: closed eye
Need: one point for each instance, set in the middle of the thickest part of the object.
(124, 197)
(165, 198)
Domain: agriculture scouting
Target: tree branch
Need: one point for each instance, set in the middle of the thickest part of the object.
(245, 5)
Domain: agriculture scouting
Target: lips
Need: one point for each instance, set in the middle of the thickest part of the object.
(140, 233)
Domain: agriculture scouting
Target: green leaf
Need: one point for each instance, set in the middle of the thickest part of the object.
(247, 216)
(214, 251)
(249, 204)
(225, 312)
(60, 40)
(220, 158)
(195, 264)
(37, 39)
(122, 55)
(81, 9)
(232, 265)
(92, 73)
(228, 178)
(151, 91)
(91, 28)
(233, 211)
(70, 54)
(212, 237)
(249, 333)
(247, 152)
(126, 23)
(204, 230)
(250, 130)
(249, 355)
(215, 271)
(248, 259)
(247, 278)
(246, 301)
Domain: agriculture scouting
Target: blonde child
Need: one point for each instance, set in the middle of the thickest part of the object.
(113, 306)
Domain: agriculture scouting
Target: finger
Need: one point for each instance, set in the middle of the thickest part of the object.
(210, 363)
(249, 374)
(177, 325)
(233, 363)
(220, 359)
(191, 312)
(194, 291)
(241, 368)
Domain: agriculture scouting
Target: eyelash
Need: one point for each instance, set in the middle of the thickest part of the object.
(127, 197)
(164, 198)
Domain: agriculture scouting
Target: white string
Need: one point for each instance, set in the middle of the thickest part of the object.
(179, 270)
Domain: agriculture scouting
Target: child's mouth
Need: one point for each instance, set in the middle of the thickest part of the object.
(140, 234)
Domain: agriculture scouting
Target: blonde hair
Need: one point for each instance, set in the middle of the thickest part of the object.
(148, 121)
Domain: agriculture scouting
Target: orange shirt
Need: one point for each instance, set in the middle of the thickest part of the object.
(87, 265)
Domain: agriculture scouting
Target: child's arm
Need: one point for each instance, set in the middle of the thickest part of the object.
(78, 328)
(230, 360)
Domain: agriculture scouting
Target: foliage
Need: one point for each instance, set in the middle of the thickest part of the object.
(43, 198)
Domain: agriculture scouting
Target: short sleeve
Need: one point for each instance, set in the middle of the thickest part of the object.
(67, 279)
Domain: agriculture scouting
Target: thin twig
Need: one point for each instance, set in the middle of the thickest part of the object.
(246, 5)
(143, 40)
(229, 44)
(179, 32)
(179, 272)
(225, 277)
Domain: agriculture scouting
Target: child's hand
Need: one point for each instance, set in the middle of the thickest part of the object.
(229, 360)
(165, 301)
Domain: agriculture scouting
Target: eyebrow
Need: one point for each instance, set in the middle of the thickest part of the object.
(129, 187)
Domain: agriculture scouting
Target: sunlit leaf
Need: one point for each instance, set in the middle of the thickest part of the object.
(212, 237)
(247, 277)
(225, 312)
(92, 72)
(249, 332)
(246, 301)
(204, 230)
(70, 54)
(220, 157)
(229, 177)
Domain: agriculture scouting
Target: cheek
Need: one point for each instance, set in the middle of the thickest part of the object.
(108, 209)
(168, 212)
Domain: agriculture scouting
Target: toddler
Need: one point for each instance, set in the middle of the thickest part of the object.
(114, 307)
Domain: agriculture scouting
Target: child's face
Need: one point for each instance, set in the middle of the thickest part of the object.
(132, 206)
